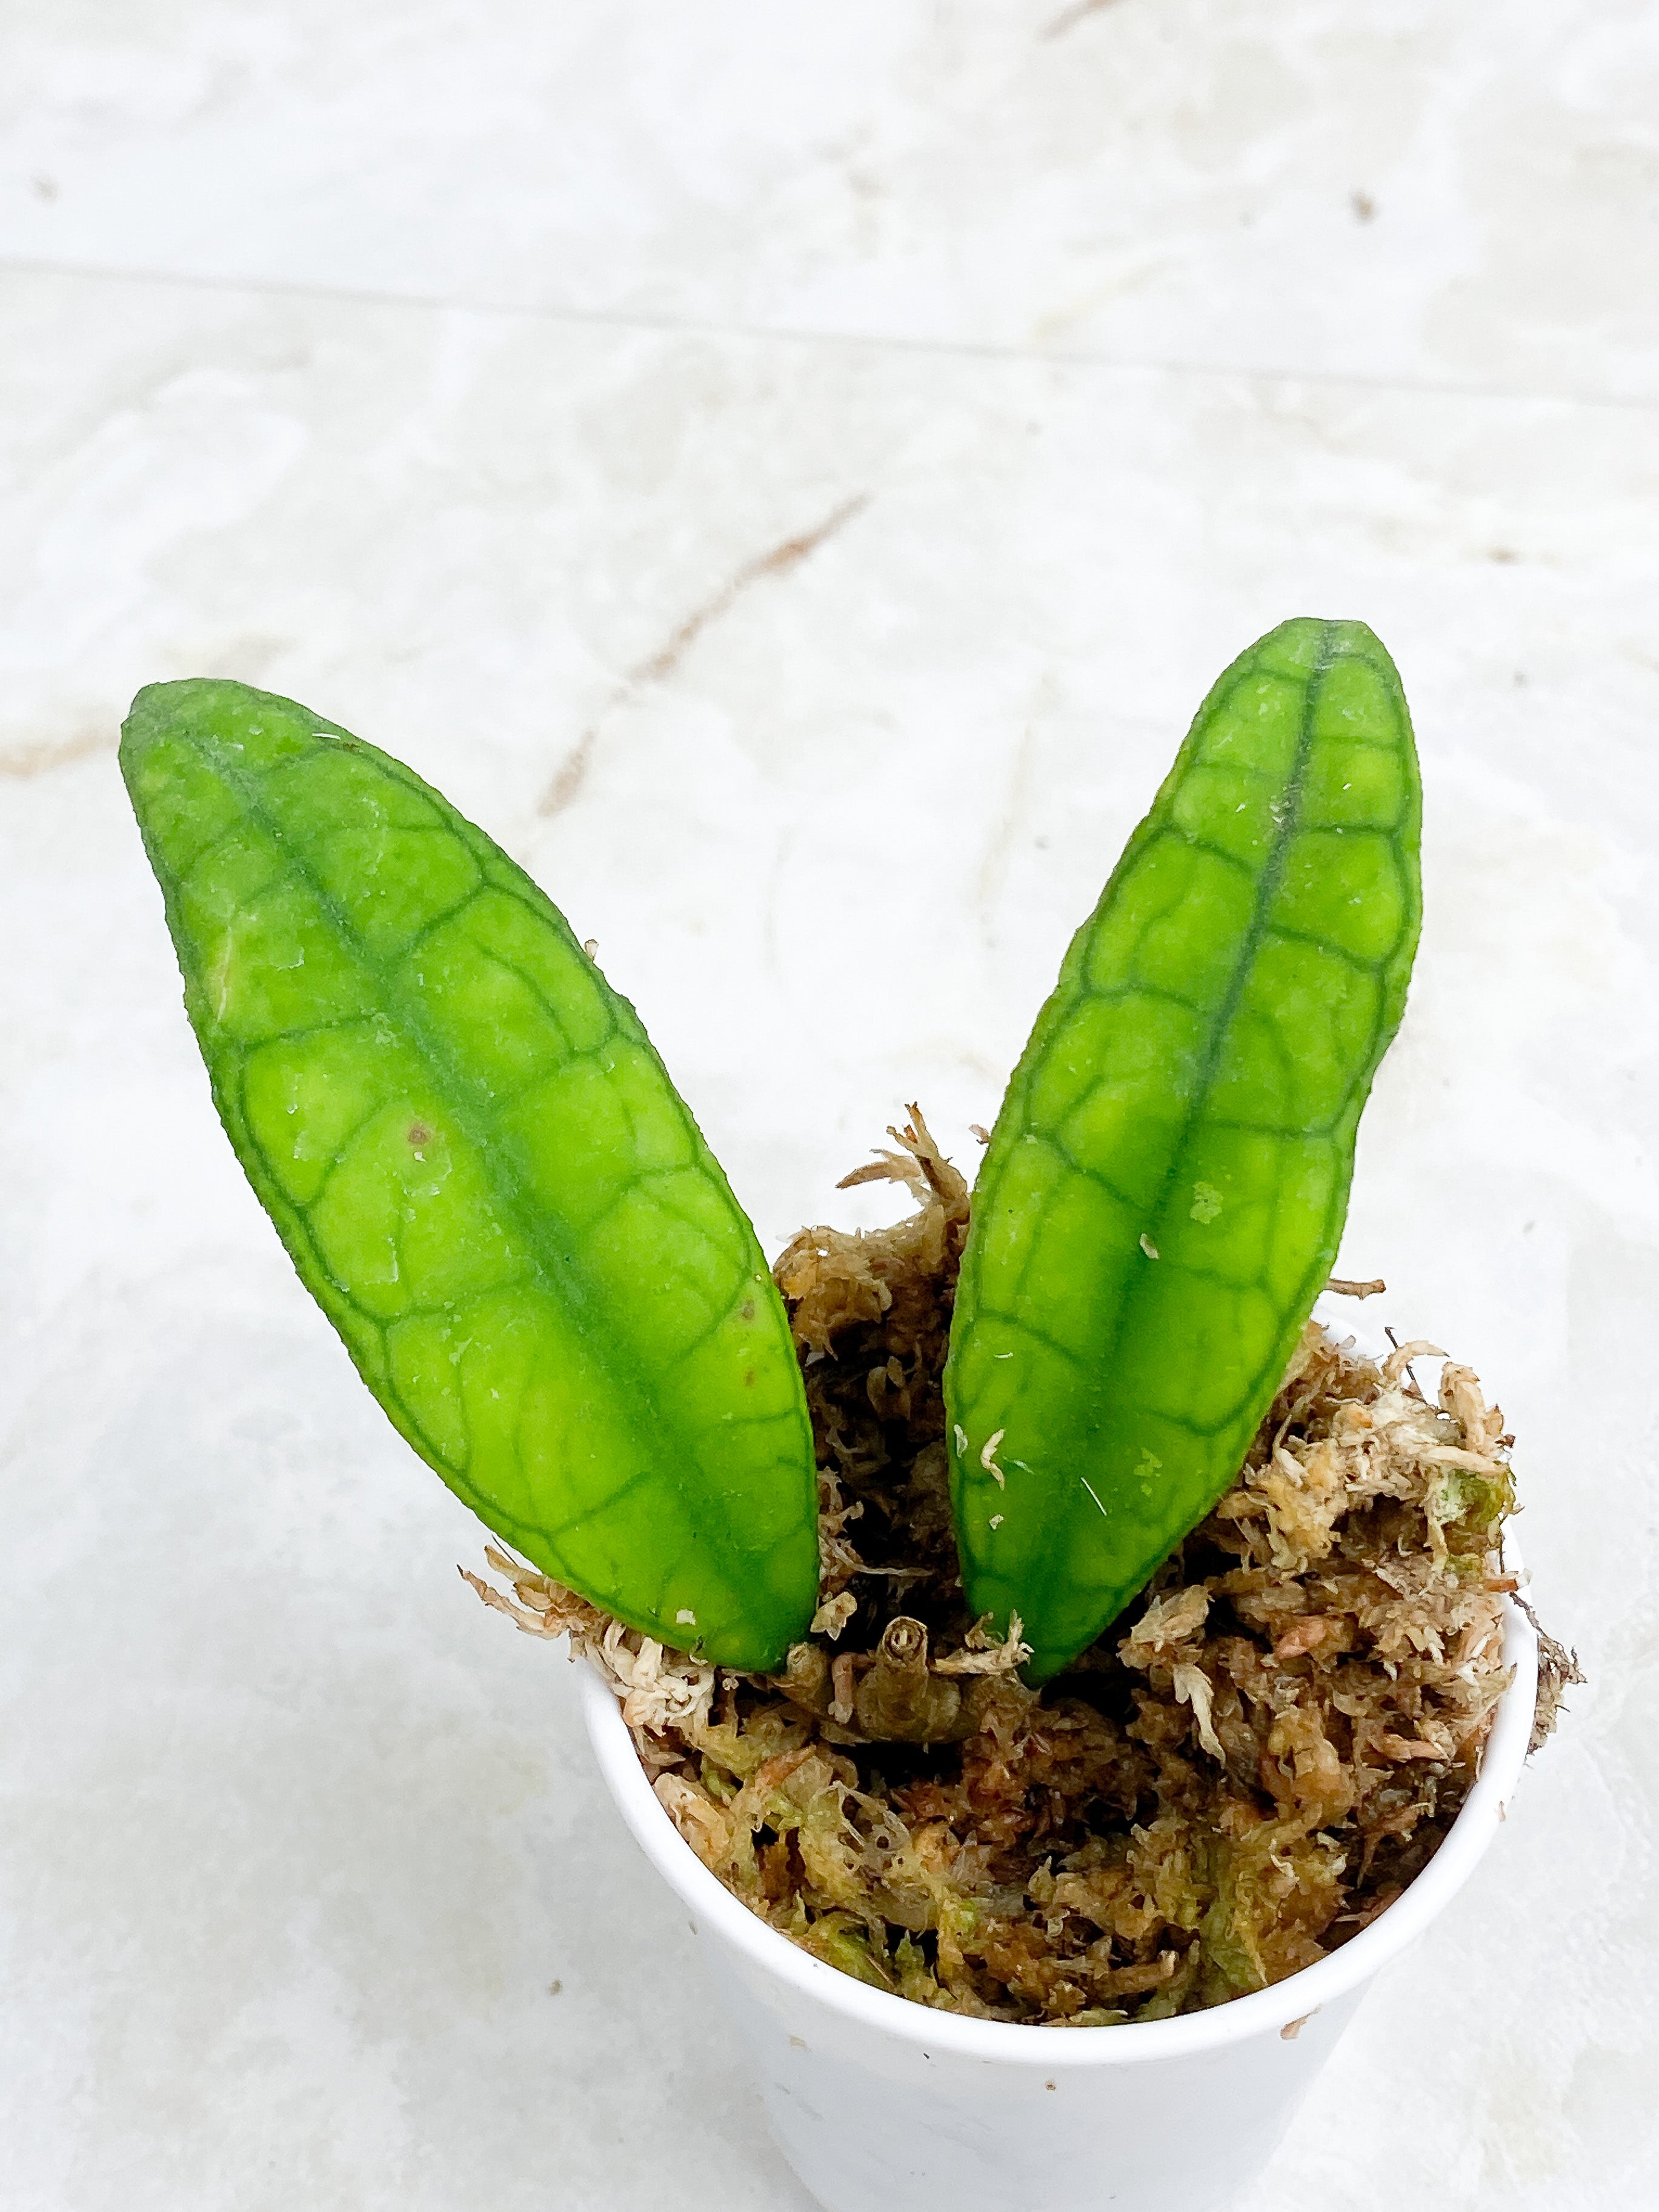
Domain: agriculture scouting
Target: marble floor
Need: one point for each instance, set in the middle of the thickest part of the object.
(791, 475)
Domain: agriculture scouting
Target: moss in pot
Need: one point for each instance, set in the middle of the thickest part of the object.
(1243, 1772)
(1026, 1609)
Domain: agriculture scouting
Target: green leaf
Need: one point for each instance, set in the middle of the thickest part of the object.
(1166, 1184)
(482, 1171)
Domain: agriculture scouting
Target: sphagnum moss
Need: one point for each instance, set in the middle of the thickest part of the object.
(1244, 1772)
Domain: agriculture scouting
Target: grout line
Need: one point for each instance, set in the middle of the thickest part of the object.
(756, 333)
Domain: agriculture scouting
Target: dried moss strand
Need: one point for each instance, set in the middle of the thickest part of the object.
(1261, 1755)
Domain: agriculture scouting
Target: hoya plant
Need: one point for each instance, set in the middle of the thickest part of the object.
(485, 1175)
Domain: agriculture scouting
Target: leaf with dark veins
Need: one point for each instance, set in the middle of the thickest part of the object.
(1166, 1184)
(482, 1171)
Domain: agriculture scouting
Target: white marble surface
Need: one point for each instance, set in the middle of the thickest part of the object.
(458, 369)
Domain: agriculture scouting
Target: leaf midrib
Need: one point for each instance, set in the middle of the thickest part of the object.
(1268, 884)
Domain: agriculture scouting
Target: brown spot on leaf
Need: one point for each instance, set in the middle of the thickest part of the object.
(419, 1133)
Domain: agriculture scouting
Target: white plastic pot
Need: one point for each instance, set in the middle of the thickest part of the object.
(877, 2102)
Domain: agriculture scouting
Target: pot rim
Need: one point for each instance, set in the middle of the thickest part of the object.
(1280, 2010)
